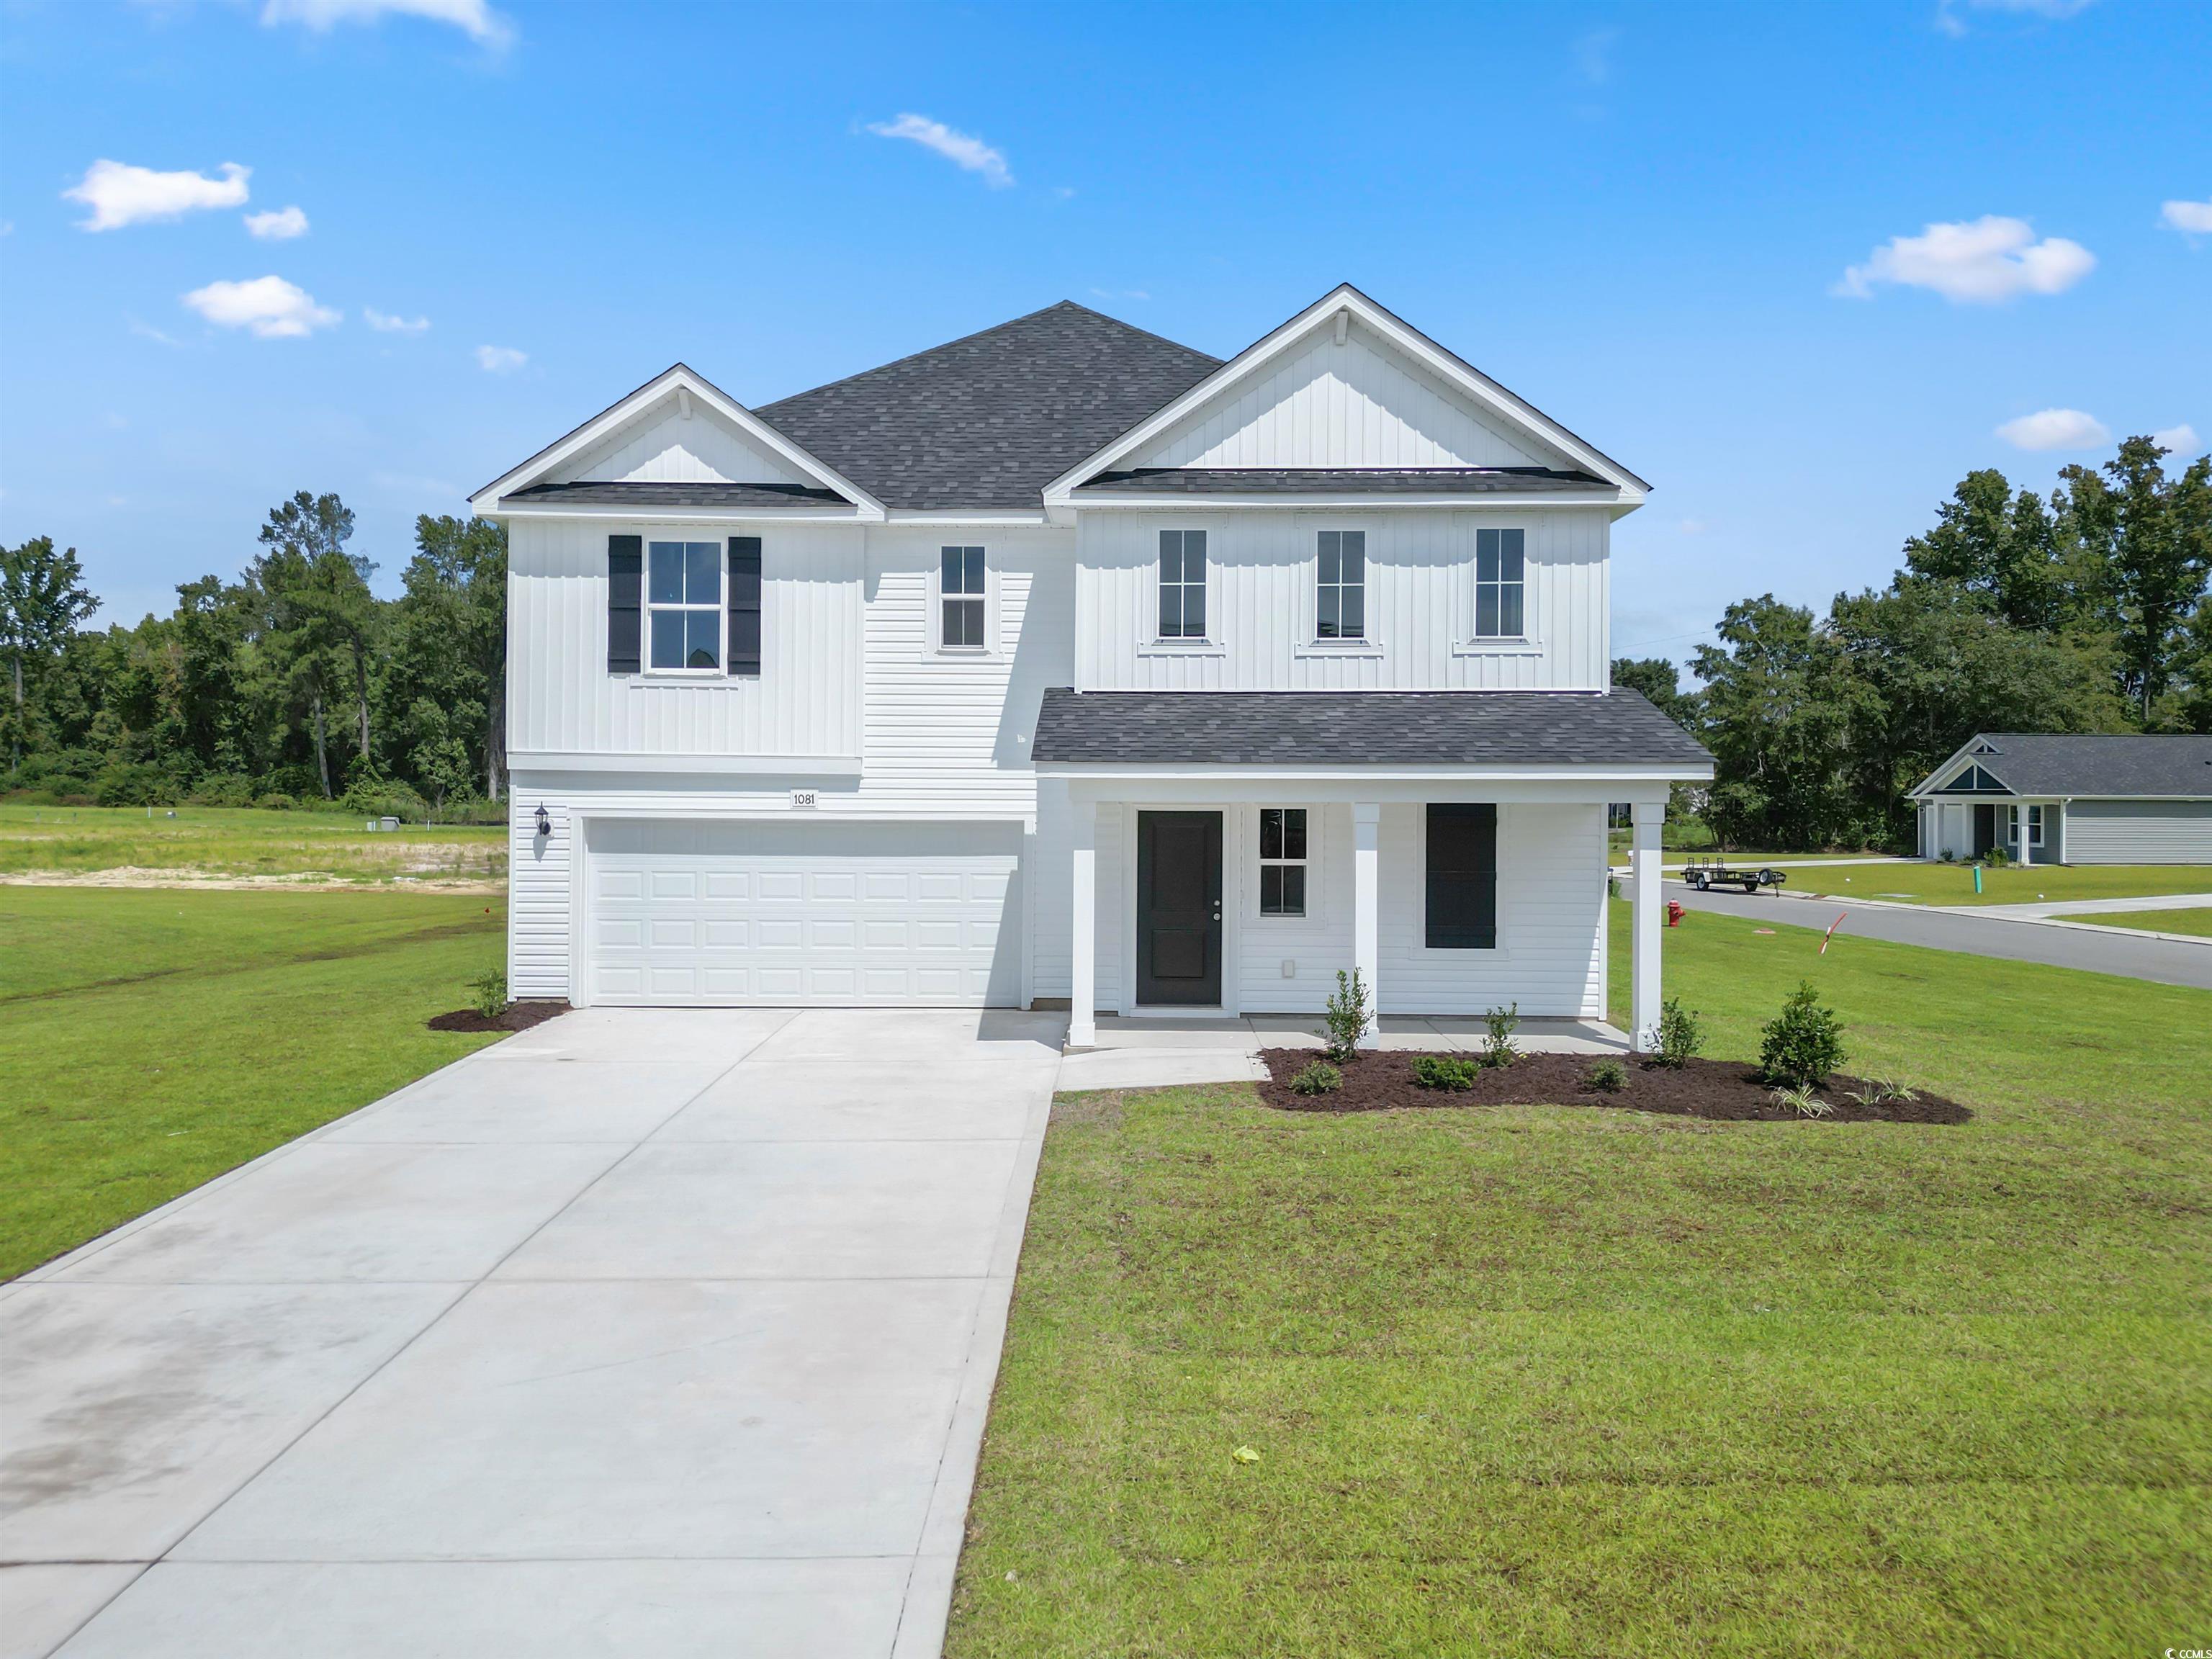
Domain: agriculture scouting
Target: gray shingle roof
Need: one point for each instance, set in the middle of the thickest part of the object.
(593, 493)
(1340, 480)
(1359, 728)
(988, 420)
(2125, 765)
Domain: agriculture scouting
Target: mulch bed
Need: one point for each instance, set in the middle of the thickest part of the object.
(1721, 1091)
(518, 1017)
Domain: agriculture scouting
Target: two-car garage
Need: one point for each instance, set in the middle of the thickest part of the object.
(801, 912)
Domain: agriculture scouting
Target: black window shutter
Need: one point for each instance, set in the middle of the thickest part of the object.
(625, 593)
(1463, 876)
(746, 606)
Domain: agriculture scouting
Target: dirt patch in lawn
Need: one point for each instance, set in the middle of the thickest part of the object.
(518, 1017)
(142, 876)
(1720, 1091)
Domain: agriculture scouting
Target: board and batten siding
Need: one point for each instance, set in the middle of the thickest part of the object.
(1260, 574)
(561, 699)
(661, 447)
(2138, 832)
(1356, 404)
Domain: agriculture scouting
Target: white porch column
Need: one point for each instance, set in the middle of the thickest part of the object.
(1366, 903)
(1083, 966)
(1643, 868)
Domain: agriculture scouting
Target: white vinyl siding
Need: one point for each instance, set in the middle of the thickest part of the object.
(660, 447)
(2137, 832)
(1262, 570)
(1355, 405)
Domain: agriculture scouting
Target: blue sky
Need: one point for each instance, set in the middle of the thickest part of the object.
(1644, 220)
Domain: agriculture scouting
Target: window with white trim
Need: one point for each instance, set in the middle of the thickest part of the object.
(683, 606)
(1282, 860)
(1182, 584)
(962, 599)
(1341, 584)
(1500, 571)
(2035, 826)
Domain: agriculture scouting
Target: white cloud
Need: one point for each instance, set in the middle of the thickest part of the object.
(272, 308)
(2193, 218)
(500, 359)
(1594, 55)
(1985, 261)
(385, 324)
(1120, 293)
(2055, 428)
(969, 153)
(473, 17)
(147, 331)
(2181, 440)
(277, 226)
(1948, 20)
(121, 195)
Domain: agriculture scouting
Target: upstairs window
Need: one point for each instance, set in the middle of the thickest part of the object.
(684, 604)
(1182, 584)
(960, 593)
(1282, 860)
(1498, 569)
(1340, 599)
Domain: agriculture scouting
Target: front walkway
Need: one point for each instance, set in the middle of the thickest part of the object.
(642, 1333)
(1162, 1050)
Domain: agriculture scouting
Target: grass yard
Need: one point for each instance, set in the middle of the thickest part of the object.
(152, 1040)
(1556, 1380)
(1954, 884)
(2197, 921)
(227, 843)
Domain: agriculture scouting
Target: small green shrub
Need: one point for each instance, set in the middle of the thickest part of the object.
(1348, 1016)
(1799, 1047)
(1497, 1048)
(222, 789)
(1445, 1072)
(490, 991)
(1804, 1101)
(1607, 1077)
(1681, 1034)
(276, 803)
(1318, 1078)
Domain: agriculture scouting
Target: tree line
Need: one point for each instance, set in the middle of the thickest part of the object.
(292, 685)
(2083, 612)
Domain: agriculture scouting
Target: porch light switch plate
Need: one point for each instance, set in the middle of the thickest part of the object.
(802, 800)
(1290, 967)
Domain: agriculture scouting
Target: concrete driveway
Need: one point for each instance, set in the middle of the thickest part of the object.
(645, 1332)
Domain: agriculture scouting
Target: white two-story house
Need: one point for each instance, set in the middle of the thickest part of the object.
(1066, 665)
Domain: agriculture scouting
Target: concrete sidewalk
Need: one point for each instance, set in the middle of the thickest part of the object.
(2104, 907)
(643, 1332)
(1160, 1050)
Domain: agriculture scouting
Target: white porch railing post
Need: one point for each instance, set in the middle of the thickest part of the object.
(1644, 1000)
(1083, 967)
(1366, 902)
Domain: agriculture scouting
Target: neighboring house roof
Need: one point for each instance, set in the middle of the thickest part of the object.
(1297, 729)
(987, 421)
(592, 493)
(2125, 766)
(1341, 481)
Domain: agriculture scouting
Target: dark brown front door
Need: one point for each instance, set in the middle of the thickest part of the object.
(1179, 907)
(1985, 829)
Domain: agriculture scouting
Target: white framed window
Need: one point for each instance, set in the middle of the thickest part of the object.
(1500, 581)
(1283, 860)
(963, 600)
(2035, 826)
(1182, 585)
(1341, 584)
(684, 607)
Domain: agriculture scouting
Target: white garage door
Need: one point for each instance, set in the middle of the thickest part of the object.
(816, 913)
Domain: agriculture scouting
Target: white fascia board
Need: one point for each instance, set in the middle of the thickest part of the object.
(619, 514)
(640, 763)
(1349, 502)
(1446, 366)
(1356, 775)
(962, 515)
(677, 377)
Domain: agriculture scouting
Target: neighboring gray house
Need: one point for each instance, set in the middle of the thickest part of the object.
(2071, 798)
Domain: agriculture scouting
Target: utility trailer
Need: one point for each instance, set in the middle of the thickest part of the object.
(1704, 874)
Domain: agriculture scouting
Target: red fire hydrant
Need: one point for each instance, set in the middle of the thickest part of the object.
(1674, 913)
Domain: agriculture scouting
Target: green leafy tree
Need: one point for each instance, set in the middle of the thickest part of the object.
(2001, 548)
(1658, 680)
(2149, 540)
(1777, 712)
(450, 639)
(322, 592)
(43, 598)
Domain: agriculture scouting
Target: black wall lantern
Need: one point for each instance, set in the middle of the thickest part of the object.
(545, 823)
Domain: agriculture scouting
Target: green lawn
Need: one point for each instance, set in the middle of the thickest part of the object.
(1954, 884)
(2198, 921)
(151, 1040)
(225, 842)
(1560, 1381)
